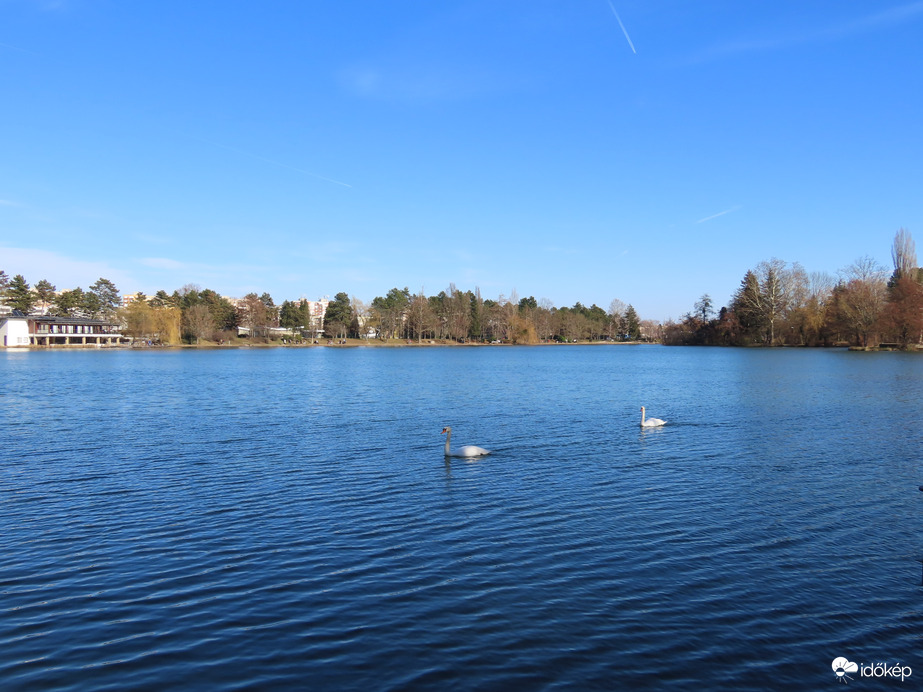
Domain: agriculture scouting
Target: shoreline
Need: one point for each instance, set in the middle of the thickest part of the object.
(403, 343)
(375, 343)
(346, 343)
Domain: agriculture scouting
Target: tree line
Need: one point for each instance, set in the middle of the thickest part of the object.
(192, 314)
(465, 316)
(100, 301)
(778, 303)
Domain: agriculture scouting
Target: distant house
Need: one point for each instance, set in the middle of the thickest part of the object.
(19, 330)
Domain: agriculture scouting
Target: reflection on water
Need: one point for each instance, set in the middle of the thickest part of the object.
(287, 517)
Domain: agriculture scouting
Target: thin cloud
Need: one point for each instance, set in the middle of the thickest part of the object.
(890, 17)
(893, 16)
(64, 272)
(720, 213)
(420, 84)
(165, 272)
(624, 31)
(8, 203)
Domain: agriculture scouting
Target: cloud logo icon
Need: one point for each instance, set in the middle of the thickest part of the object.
(841, 666)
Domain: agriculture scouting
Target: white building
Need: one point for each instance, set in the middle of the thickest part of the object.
(18, 330)
(14, 332)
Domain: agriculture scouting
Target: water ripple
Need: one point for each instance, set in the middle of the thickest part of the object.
(214, 523)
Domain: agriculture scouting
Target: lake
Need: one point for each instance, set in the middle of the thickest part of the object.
(285, 518)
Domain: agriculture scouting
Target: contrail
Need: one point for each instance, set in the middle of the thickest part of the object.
(720, 213)
(285, 165)
(21, 50)
(619, 19)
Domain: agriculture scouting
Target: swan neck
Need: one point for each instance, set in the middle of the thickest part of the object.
(448, 437)
(642, 415)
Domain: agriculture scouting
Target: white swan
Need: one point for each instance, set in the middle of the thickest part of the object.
(650, 422)
(466, 451)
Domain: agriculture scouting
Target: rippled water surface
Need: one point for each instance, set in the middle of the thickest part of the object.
(280, 519)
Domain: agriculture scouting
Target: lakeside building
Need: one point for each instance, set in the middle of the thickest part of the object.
(21, 331)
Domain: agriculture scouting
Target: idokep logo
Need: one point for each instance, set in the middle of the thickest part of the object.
(843, 666)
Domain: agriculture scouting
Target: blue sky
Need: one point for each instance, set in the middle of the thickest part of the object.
(573, 150)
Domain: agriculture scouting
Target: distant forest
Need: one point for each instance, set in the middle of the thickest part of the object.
(776, 304)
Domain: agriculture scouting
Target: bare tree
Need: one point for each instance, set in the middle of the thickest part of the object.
(457, 313)
(478, 314)
(616, 325)
(651, 330)
(420, 316)
(361, 314)
(807, 318)
(199, 321)
(543, 319)
(904, 255)
(862, 296)
(903, 313)
(704, 307)
(254, 315)
(775, 287)
(767, 295)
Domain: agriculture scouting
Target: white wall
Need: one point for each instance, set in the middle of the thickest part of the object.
(14, 332)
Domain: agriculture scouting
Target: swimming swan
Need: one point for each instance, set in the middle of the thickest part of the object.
(650, 422)
(466, 451)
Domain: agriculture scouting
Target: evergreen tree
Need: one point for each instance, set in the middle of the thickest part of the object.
(290, 317)
(44, 291)
(390, 311)
(224, 315)
(161, 299)
(103, 298)
(70, 303)
(19, 295)
(338, 316)
(527, 304)
(747, 305)
(476, 328)
(632, 324)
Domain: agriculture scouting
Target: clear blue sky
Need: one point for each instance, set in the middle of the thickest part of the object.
(574, 150)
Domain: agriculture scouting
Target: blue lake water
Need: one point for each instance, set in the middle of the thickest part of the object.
(285, 519)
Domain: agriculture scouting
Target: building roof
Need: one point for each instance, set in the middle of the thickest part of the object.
(55, 319)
